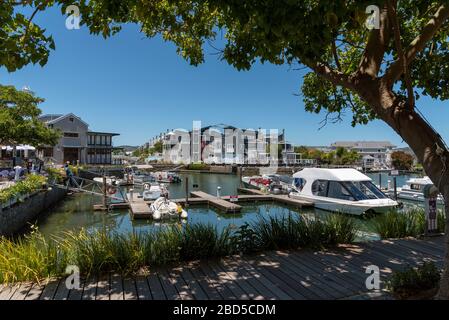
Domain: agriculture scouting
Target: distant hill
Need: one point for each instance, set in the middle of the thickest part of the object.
(127, 148)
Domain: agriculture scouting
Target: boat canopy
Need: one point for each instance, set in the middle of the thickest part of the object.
(346, 174)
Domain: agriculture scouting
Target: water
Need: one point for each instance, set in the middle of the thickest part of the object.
(75, 212)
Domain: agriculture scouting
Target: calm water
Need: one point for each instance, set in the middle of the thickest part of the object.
(75, 212)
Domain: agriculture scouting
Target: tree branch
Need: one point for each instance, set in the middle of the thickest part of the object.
(392, 12)
(418, 44)
(336, 77)
(378, 40)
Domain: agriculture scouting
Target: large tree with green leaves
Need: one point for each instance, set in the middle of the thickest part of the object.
(374, 73)
(19, 122)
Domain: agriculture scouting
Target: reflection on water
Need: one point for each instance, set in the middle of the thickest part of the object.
(76, 212)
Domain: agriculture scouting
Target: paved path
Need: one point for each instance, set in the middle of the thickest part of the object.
(332, 274)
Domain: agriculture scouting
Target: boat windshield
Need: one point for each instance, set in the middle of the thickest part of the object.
(363, 190)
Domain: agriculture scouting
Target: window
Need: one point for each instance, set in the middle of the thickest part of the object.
(48, 152)
(319, 188)
(70, 134)
(71, 119)
(414, 186)
(338, 191)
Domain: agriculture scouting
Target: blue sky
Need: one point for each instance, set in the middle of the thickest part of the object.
(139, 87)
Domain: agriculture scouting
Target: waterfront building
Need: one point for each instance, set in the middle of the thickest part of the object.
(374, 154)
(225, 144)
(77, 144)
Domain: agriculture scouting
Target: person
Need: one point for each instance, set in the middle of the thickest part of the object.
(69, 173)
(18, 173)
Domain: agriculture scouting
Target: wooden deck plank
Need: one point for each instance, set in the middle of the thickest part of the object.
(90, 288)
(269, 269)
(214, 279)
(35, 292)
(436, 252)
(175, 278)
(22, 291)
(194, 285)
(8, 291)
(217, 202)
(116, 287)
(240, 280)
(129, 289)
(262, 288)
(103, 288)
(62, 293)
(77, 293)
(50, 289)
(143, 289)
(228, 281)
(156, 287)
(269, 281)
(204, 282)
(170, 291)
(306, 285)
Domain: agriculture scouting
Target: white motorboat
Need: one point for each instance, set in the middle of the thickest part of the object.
(340, 190)
(166, 177)
(274, 183)
(413, 190)
(164, 208)
(154, 191)
(111, 180)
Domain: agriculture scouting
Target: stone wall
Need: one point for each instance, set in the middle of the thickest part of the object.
(15, 218)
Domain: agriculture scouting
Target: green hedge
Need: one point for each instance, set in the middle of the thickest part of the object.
(31, 184)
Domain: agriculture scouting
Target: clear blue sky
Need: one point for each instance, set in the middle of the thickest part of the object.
(139, 87)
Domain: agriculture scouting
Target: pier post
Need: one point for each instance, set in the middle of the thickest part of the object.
(104, 193)
(380, 180)
(187, 192)
(395, 189)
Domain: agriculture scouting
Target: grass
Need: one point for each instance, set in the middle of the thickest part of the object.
(33, 257)
(411, 223)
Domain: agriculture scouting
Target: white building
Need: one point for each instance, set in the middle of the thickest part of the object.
(374, 154)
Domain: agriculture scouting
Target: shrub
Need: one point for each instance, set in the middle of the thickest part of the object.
(412, 281)
(197, 166)
(30, 184)
(394, 224)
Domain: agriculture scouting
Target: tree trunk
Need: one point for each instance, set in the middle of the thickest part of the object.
(422, 139)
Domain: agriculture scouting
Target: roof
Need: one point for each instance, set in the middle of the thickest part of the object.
(105, 133)
(363, 144)
(331, 174)
(56, 118)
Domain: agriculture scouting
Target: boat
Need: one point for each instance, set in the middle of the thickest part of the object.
(113, 181)
(413, 189)
(166, 177)
(163, 208)
(273, 183)
(154, 191)
(340, 190)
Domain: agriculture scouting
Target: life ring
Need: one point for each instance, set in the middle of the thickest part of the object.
(146, 186)
(112, 190)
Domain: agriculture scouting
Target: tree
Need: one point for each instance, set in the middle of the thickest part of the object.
(374, 73)
(19, 123)
(402, 160)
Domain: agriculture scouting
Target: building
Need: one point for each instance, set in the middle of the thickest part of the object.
(374, 154)
(225, 144)
(78, 144)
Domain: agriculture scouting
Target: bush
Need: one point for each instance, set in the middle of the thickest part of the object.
(31, 184)
(413, 281)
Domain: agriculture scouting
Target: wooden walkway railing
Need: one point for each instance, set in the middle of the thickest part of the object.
(329, 274)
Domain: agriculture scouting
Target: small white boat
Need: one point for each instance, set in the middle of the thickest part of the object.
(164, 208)
(340, 190)
(111, 180)
(154, 191)
(413, 190)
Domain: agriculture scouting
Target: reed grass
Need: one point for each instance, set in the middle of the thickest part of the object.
(410, 223)
(33, 257)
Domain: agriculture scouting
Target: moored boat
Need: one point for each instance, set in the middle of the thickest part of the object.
(340, 190)
(413, 190)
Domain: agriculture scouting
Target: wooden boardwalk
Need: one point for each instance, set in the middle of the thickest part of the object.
(331, 274)
(139, 208)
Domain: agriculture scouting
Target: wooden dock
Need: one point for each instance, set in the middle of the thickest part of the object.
(140, 209)
(305, 274)
(220, 203)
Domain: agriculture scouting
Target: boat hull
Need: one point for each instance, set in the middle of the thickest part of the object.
(342, 206)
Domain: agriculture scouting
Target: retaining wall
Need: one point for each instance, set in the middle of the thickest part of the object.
(16, 217)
